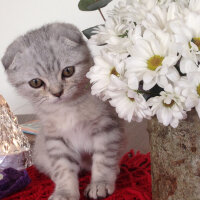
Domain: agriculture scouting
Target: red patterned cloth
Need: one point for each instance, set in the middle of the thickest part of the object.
(133, 182)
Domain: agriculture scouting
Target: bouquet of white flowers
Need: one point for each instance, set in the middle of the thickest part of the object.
(150, 60)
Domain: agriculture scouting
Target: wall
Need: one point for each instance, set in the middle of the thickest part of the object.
(19, 16)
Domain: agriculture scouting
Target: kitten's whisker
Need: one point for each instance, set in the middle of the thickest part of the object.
(42, 101)
(18, 108)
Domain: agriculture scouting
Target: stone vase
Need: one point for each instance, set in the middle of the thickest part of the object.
(175, 159)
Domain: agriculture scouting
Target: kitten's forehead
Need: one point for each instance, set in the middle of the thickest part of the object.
(53, 55)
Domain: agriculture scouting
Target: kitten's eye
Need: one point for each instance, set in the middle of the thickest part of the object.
(36, 83)
(68, 71)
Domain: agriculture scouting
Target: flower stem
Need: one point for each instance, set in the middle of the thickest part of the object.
(142, 92)
(101, 14)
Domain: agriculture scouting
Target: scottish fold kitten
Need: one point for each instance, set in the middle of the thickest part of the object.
(48, 66)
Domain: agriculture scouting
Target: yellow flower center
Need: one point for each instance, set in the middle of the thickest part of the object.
(169, 105)
(114, 72)
(132, 99)
(198, 89)
(189, 44)
(197, 42)
(154, 62)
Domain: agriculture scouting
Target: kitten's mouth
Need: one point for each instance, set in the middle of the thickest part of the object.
(60, 99)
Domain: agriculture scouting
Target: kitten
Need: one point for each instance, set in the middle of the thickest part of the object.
(48, 66)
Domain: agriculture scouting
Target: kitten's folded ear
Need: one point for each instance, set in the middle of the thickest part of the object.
(66, 32)
(13, 49)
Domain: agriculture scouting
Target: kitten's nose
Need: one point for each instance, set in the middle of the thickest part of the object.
(58, 94)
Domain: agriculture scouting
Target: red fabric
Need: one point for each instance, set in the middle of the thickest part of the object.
(133, 183)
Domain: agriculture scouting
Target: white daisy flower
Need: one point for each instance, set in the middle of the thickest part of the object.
(124, 10)
(115, 35)
(194, 6)
(169, 106)
(152, 60)
(122, 49)
(187, 35)
(129, 104)
(119, 49)
(135, 34)
(191, 90)
(112, 33)
(168, 2)
(187, 65)
(100, 73)
(132, 10)
(155, 19)
(159, 17)
(141, 8)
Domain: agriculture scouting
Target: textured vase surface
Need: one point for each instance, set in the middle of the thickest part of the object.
(175, 159)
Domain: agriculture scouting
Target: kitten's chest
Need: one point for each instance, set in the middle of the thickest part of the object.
(78, 132)
(75, 127)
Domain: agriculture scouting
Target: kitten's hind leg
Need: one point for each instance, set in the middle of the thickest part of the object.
(64, 169)
(105, 165)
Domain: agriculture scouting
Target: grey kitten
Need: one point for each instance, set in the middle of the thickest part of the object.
(49, 66)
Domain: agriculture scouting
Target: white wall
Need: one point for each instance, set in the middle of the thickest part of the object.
(19, 16)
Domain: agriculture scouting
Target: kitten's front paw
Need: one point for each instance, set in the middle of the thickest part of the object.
(98, 190)
(61, 196)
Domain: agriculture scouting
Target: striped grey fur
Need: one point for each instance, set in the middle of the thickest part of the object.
(78, 130)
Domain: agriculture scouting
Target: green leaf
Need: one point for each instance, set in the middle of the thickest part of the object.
(99, 4)
(90, 5)
(88, 32)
